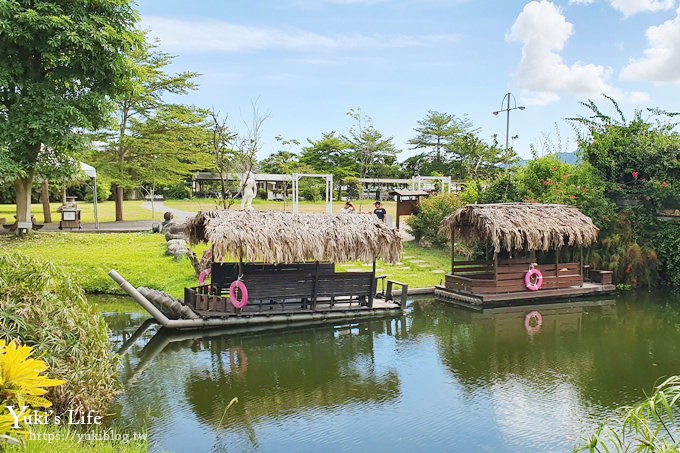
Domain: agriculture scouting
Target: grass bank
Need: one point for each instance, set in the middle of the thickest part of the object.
(203, 204)
(63, 438)
(106, 210)
(141, 259)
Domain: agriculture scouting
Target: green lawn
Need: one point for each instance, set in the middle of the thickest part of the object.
(140, 258)
(198, 204)
(132, 210)
(419, 267)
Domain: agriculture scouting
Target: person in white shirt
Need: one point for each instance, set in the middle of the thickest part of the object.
(347, 209)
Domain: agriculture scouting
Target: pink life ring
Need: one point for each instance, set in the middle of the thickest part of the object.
(527, 322)
(202, 276)
(244, 294)
(529, 283)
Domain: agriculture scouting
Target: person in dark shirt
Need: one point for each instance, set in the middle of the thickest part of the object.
(379, 211)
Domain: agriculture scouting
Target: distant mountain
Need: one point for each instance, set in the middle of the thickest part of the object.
(567, 158)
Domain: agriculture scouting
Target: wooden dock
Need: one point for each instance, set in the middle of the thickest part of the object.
(485, 300)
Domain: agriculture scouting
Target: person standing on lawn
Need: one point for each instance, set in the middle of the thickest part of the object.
(380, 212)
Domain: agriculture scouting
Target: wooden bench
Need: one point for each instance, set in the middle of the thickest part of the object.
(603, 277)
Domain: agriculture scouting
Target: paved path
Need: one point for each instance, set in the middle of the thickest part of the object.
(158, 206)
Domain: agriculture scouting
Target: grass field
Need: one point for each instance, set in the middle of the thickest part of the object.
(132, 210)
(140, 258)
(198, 204)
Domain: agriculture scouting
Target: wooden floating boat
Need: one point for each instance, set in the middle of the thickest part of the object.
(527, 241)
(284, 271)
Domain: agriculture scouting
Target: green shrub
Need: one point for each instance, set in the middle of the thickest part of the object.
(425, 223)
(45, 308)
(668, 245)
(177, 192)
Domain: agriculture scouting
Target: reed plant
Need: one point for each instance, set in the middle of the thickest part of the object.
(43, 306)
(650, 426)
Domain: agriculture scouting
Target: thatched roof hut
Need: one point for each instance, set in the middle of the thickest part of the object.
(278, 237)
(521, 226)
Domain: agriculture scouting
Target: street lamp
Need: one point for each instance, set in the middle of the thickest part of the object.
(507, 110)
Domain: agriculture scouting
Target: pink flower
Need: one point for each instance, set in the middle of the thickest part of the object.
(545, 183)
(573, 197)
(553, 169)
(552, 183)
(619, 188)
(534, 201)
(585, 190)
(664, 184)
(643, 180)
(566, 175)
(635, 174)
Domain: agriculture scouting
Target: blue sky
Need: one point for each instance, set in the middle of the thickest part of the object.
(308, 62)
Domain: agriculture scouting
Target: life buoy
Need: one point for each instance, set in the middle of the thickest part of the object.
(202, 276)
(238, 304)
(527, 322)
(531, 284)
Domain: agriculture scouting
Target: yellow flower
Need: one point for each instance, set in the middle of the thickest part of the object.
(21, 380)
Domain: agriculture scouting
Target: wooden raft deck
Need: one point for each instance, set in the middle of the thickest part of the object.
(480, 300)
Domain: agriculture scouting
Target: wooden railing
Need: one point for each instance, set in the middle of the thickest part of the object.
(290, 291)
(509, 277)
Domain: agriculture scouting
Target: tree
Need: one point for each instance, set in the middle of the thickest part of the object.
(167, 147)
(142, 96)
(438, 133)
(221, 151)
(330, 154)
(59, 63)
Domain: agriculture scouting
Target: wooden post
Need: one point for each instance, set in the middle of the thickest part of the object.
(373, 287)
(453, 247)
(557, 264)
(495, 266)
(315, 284)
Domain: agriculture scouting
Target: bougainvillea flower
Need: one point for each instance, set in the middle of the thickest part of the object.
(635, 174)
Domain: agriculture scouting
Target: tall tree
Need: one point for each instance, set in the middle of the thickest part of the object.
(221, 151)
(437, 132)
(142, 96)
(167, 147)
(59, 63)
(330, 154)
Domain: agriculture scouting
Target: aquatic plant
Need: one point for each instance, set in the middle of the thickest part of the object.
(649, 426)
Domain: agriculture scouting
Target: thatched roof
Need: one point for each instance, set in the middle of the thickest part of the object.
(521, 226)
(279, 237)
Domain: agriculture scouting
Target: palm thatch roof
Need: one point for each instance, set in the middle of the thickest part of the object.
(521, 226)
(279, 237)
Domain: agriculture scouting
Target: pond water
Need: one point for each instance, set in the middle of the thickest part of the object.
(436, 379)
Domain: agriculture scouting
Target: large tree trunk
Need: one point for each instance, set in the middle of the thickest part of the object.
(118, 196)
(47, 214)
(23, 188)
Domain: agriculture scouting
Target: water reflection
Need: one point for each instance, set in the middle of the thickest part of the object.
(439, 378)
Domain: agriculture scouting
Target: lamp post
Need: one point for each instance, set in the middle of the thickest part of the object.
(507, 109)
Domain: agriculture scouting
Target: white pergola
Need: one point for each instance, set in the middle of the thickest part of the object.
(419, 181)
(92, 173)
(329, 190)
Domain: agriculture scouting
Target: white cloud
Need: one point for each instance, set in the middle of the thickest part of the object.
(214, 36)
(631, 7)
(542, 75)
(660, 61)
